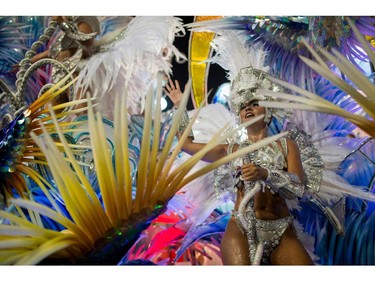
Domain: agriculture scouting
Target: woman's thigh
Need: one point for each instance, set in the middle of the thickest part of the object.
(290, 251)
(234, 248)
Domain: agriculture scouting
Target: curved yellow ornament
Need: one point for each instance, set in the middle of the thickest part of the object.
(200, 50)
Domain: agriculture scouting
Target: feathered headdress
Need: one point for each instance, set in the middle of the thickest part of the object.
(247, 71)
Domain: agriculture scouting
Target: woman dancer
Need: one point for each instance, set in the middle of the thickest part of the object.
(260, 230)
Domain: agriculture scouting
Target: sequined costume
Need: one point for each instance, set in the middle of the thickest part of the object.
(266, 232)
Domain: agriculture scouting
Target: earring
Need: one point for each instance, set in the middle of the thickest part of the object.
(267, 116)
(237, 121)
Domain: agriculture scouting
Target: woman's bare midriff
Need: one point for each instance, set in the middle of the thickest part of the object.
(267, 206)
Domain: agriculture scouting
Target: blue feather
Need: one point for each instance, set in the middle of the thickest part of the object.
(209, 227)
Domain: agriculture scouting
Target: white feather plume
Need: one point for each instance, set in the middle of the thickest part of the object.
(234, 53)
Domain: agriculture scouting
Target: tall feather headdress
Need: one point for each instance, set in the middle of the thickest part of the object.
(246, 69)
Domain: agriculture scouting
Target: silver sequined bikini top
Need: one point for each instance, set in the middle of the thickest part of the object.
(271, 156)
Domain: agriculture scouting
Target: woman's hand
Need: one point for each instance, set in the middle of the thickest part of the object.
(173, 91)
(252, 172)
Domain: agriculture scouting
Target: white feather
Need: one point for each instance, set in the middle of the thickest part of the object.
(234, 53)
(210, 120)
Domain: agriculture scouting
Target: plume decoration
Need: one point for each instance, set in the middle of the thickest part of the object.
(233, 53)
(332, 93)
(358, 81)
(18, 150)
(101, 232)
(356, 247)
